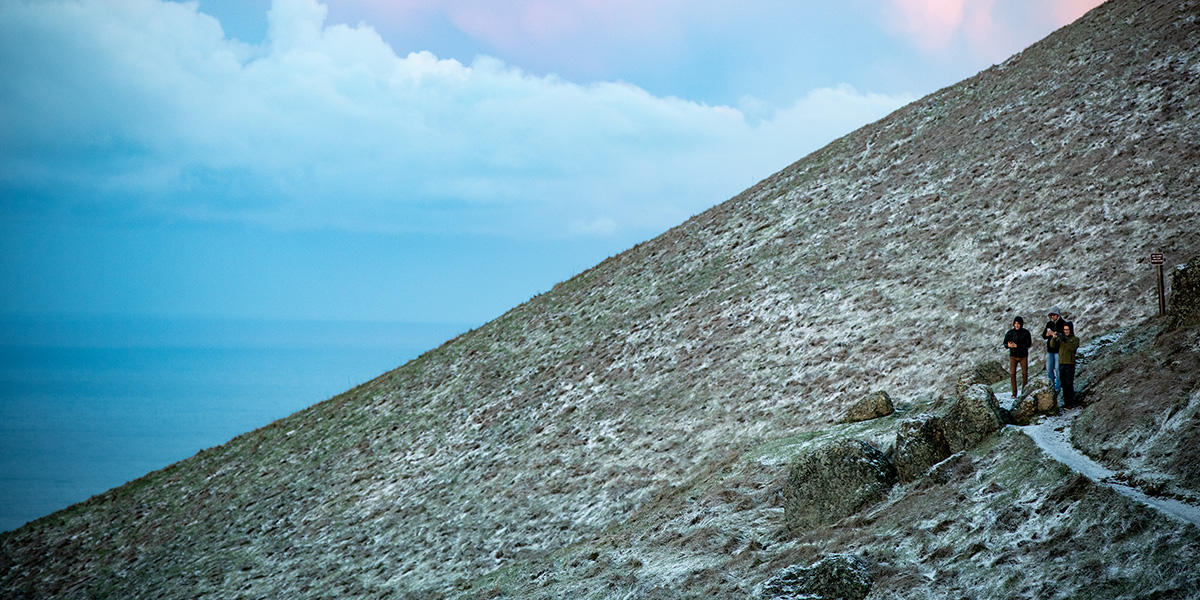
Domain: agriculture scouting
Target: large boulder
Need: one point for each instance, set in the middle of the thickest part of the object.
(1184, 309)
(920, 444)
(986, 372)
(872, 406)
(835, 481)
(973, 417)
(835, 577)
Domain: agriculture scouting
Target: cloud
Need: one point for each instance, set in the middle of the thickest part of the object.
(136, 109)
(988, 30)
(518, 22)
(586, 39)
(931, 24)
(1067, 11)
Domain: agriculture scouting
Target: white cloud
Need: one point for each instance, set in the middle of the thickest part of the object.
(118, 107)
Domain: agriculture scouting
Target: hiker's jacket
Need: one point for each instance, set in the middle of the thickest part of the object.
(1023, 340)
(1066, 347)
(1055, 326)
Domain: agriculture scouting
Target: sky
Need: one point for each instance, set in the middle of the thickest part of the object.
(421, 160)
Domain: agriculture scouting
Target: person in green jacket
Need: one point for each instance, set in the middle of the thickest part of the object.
(1066, 344)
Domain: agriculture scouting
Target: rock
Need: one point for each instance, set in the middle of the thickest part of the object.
(835, 577)
(920, 444)
(972, 417)
(872, 406)
(986, 372)
(1045, 400)
(835, 481)
(1184, 309)
(1005, 416)
(1023, 410)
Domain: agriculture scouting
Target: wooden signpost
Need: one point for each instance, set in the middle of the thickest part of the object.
(1156, 259)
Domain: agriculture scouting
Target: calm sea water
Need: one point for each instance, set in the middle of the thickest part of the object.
(89, 404)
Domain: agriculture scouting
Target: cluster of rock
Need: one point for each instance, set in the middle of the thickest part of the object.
(836, 480)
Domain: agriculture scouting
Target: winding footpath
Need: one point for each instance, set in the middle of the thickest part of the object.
(1053, 435)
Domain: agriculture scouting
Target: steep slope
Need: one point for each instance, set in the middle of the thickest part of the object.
(629, 392)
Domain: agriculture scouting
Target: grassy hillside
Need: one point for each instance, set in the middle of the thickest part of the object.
(625, 434)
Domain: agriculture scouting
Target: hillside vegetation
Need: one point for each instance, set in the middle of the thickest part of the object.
(628, 434)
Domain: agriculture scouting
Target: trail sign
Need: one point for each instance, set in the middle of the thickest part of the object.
(1156, 258)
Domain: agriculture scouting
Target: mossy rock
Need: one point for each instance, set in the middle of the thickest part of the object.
(986, 372)
(835, 481)
(872, 406)
(973, 417)
(835, 577)
(920, 444)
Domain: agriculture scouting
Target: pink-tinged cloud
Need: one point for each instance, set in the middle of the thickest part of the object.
(931, 24)
(518, 27)
(510, 25)
(522, 22)
(987, 28)
(989, 36)
(553, 24)
(584, 37)
(1066, 11)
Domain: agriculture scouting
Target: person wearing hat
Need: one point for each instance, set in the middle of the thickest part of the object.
(1018, 341)
(1067, 344)
(1053, 326)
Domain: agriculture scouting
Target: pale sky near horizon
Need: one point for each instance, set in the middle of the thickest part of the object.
(421, 160)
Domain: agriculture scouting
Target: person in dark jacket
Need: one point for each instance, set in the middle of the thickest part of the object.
(1018, 341)
(1066, 344)
(1054, 325)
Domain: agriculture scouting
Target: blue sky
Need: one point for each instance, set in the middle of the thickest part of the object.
(420, 160)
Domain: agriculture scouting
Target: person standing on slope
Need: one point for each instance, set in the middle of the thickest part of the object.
(1054, 325)
(1018, 341)
(1066, 344)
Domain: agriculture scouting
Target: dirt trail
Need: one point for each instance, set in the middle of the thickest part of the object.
(1053, 436)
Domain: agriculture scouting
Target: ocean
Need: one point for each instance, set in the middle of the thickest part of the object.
(87, 404)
